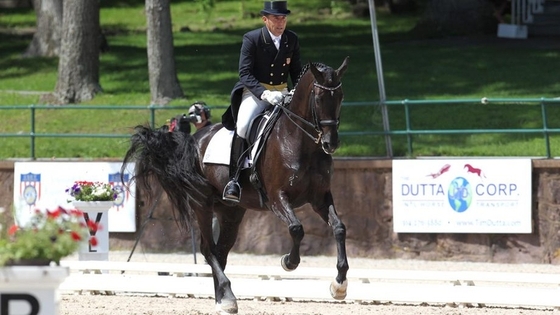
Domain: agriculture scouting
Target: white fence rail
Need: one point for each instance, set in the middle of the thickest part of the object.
(365, 285)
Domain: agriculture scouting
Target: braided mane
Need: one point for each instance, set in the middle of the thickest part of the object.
(319, 65)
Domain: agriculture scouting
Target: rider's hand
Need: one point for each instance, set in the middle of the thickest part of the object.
(273, 97)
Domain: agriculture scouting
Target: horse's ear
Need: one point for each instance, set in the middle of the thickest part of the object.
(340, 71)
(316, 73)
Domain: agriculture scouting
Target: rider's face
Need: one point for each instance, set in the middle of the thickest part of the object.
(276, 24)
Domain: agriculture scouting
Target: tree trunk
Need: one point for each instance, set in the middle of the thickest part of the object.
(78, 67)
(46, 40)
(164, 85)
(457, 17)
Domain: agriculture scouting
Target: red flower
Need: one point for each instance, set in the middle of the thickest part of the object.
(93, 241)
(75, 236)
(55, 213)
(76, 212)
(62, 210)
(13, 229)
(93, 227)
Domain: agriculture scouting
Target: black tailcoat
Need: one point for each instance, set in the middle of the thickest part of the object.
(260, 61)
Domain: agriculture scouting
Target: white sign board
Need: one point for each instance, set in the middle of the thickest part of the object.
(462, 196)
(31, 290)
(42, 185)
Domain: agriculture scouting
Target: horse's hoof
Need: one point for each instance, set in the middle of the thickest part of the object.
(286, 265)
(226, 307)
(338, 290)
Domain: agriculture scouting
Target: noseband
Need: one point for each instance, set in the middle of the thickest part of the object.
(316, 124)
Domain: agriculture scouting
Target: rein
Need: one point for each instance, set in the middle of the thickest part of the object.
(316, 124)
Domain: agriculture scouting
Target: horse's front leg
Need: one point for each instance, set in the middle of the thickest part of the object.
(283, 209)
(291, 261)
(328, 213)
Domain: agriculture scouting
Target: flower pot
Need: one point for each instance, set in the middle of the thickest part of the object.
(29, 262)
(97, 211)
(93, 205)
(30, 289)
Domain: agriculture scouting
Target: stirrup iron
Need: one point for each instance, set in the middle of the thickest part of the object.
(231, 197)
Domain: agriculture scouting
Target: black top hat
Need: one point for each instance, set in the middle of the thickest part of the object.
(275, 8)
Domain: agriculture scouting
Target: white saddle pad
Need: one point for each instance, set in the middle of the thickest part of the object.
(219, 149)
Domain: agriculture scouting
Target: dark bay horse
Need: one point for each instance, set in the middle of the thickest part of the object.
(295, 168)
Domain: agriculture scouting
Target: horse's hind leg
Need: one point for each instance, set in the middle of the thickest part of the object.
(216, 253)
(329, 215)
(229, 220)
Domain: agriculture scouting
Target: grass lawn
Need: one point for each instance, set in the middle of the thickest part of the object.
(207, 50)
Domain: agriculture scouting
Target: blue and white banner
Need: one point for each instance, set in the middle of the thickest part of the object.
(42, 185)
(462, 196)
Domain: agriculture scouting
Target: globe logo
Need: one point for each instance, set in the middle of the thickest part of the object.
(459, 194)
(120, 195)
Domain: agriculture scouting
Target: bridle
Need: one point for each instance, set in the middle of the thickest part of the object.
(316, 123)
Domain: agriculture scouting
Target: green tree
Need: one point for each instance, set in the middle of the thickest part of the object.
(78, 67)
(164, 84)
(46, 40)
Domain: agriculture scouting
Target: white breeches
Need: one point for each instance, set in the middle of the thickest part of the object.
(250, 107)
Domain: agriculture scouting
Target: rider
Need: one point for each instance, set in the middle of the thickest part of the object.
(268, 55)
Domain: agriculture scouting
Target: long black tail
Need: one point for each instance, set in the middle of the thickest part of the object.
(170, 160)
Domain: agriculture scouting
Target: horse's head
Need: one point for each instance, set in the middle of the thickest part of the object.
(325, 102)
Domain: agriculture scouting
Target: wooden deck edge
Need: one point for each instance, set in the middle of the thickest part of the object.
(339, 163)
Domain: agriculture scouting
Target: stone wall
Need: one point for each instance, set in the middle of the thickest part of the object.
(363, 198)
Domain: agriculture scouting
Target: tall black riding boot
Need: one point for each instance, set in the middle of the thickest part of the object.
(232, 191)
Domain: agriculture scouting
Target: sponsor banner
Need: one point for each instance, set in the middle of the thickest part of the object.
(42, 185)
(462, 196)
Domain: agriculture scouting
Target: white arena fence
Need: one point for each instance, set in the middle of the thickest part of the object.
(507, 289)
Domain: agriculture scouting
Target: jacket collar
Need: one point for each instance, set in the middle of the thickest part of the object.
(267, 39)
